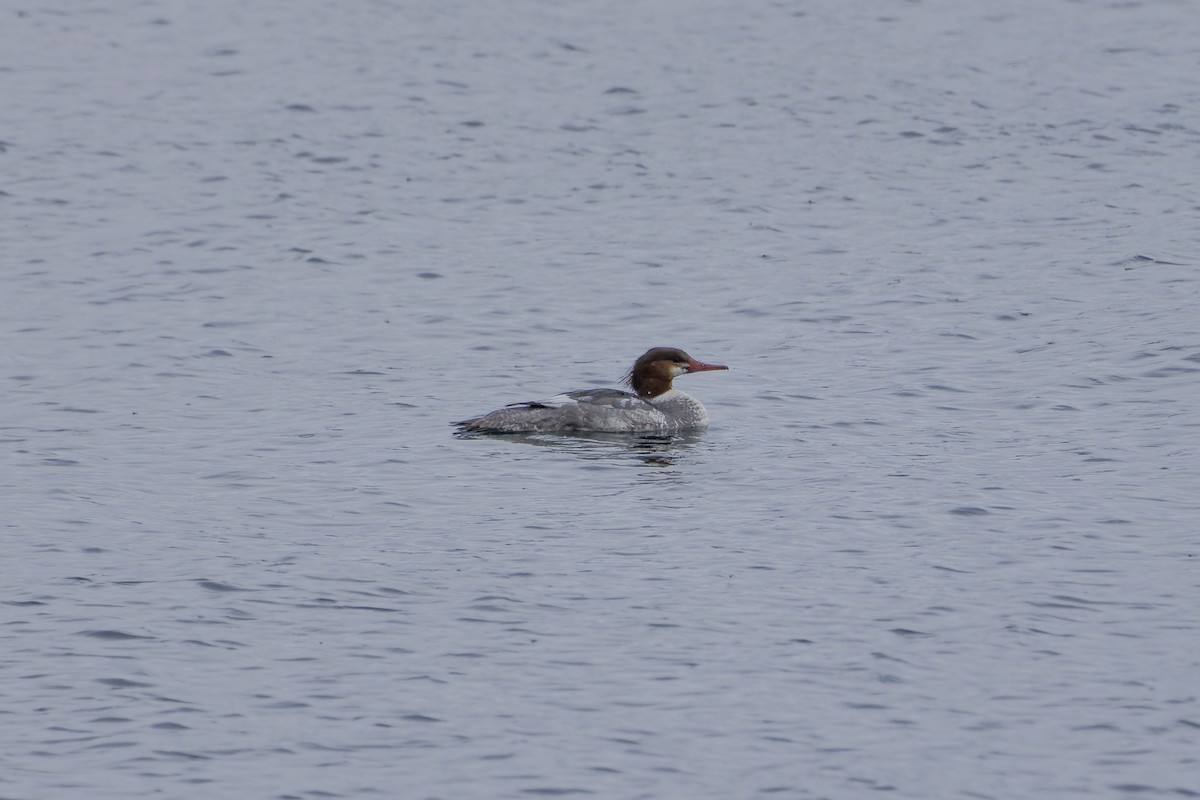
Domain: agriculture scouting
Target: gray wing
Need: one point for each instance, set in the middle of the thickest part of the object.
(609, 410)
(602, 398)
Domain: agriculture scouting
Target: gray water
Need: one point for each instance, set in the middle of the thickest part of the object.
(940, 541)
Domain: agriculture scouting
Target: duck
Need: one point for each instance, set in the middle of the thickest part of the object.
(654, 406)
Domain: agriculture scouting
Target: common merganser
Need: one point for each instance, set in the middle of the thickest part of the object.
(653, 406)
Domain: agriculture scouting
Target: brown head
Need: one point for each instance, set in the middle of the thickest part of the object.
(653, 372)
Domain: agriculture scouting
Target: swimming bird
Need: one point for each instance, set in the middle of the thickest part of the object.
(654, 405)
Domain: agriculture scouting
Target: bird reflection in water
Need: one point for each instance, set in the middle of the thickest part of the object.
(660, 450)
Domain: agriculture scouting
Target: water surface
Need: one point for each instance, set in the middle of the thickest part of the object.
(940, 540)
